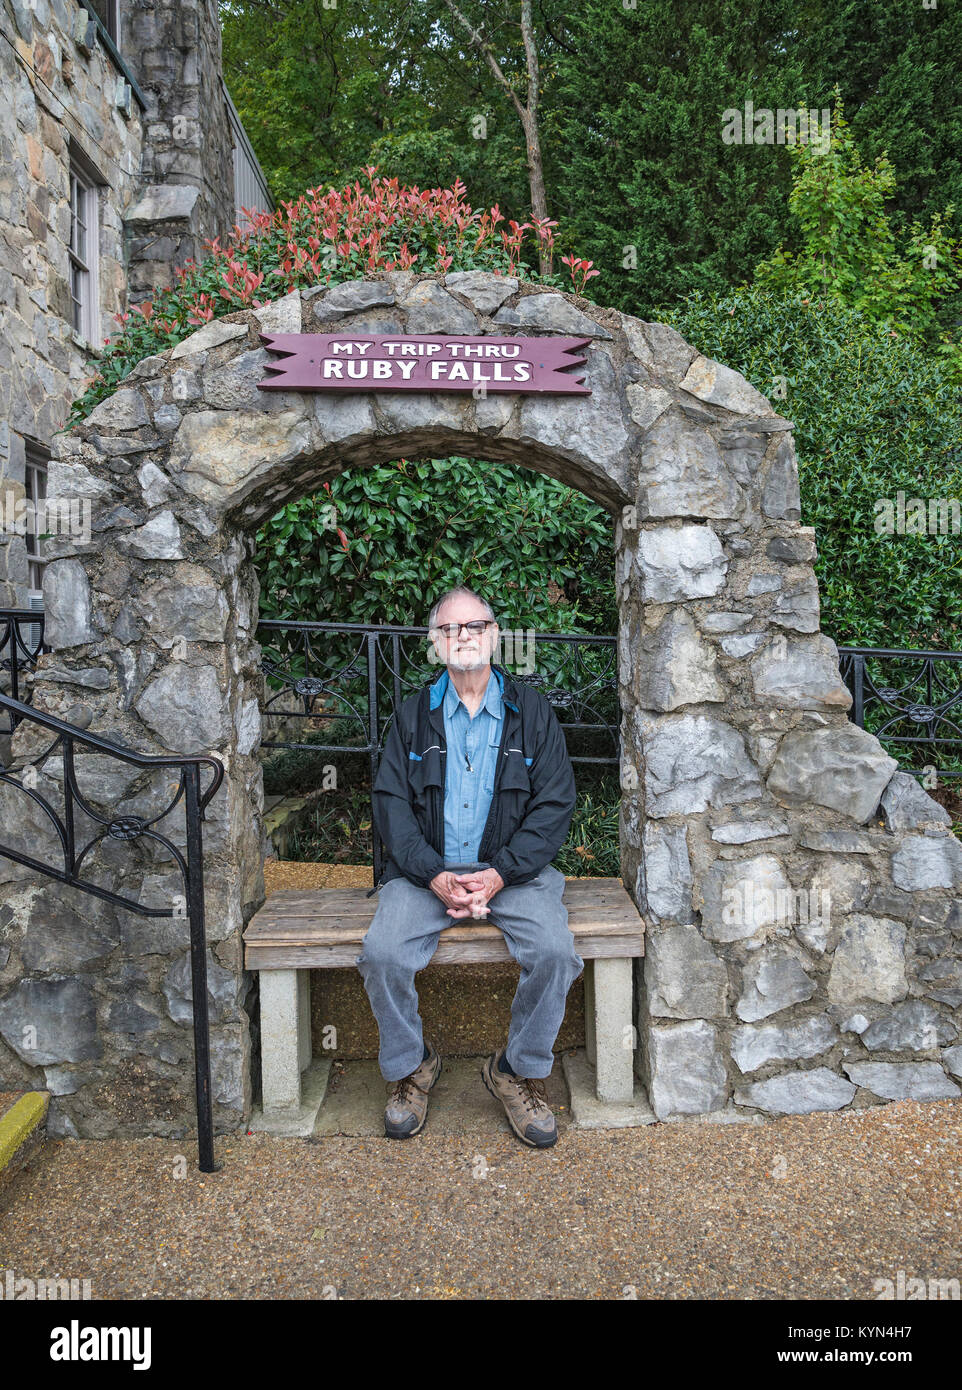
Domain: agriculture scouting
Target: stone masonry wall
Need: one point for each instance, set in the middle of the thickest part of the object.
(54, 88)
(168, 184)
(802, 897)
(187, 173)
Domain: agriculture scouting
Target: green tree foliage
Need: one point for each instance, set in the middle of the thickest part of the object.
(899, 64)
(849, 249)
(323, 92)
(631, 114)
(875, 413)
(379, 545)
(646, 185)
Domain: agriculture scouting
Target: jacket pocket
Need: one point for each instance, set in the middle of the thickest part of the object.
(514, 791)
(424, 772)
(514, 774)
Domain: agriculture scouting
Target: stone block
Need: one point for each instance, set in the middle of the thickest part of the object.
(683, 976)
(798, 1092)
(869, 961)
(678, 563)
(843, 768)
(688, 1075)
(772, 980)
(903, 1080)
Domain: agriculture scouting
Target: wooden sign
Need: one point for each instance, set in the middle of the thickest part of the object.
(423, 362)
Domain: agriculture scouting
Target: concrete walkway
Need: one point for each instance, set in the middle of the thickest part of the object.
(805, 1207)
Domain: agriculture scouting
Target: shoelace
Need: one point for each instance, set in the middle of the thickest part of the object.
(532, 1091)
(401, 1088)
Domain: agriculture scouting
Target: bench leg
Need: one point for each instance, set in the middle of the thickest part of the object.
(591, 1050)
(610, 1028)
(303, 1019)
(282, 1033)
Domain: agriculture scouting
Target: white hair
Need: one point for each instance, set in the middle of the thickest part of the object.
(452, 593)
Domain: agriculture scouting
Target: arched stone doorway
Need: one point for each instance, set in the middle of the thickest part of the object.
(783, 915)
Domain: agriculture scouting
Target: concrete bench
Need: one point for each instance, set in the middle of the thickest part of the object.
(298, 930)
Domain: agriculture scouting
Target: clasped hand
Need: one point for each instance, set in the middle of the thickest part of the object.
(468, 894)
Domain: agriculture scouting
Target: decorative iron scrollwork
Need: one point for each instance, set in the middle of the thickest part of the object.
(308, 685)
(126, 828)
(919, 720)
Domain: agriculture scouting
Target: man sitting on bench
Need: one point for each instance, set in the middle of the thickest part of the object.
(473, 799)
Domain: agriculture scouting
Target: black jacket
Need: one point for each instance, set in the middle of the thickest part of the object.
(534, 787)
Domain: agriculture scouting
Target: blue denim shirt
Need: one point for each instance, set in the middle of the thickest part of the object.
(472, 756)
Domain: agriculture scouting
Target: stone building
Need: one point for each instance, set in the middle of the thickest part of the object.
(120, 152)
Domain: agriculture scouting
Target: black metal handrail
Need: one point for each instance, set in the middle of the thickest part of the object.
(128, 828)
(17, 656)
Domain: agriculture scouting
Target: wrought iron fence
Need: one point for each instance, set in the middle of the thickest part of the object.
(125, 828)
(911, 701)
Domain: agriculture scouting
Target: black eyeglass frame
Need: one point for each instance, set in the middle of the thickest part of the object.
(483, 625)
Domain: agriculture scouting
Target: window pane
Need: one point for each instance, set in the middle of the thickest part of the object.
(36, 489)
(84, 217)
(79, 201)
(78, 285)
(74, 196)
(108, 11)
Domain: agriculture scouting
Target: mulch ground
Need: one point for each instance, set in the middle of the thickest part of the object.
(806, 1207)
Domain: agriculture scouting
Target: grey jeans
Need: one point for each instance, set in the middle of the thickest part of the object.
(403, 937)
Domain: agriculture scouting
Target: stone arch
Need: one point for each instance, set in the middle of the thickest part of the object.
(748, 796)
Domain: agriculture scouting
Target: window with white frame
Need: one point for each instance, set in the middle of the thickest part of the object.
(84, 237)
(35, 488)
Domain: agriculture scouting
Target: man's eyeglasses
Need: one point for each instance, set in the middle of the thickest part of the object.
(454, 629)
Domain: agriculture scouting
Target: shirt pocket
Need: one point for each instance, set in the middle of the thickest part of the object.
(491, 769)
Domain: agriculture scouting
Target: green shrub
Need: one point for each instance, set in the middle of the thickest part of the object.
(849, 249)
(379, 545)
(874, 414)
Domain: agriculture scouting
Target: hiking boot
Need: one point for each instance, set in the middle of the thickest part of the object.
(407, 1105)
(523, 1098)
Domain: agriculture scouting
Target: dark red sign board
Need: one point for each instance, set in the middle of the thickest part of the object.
(423, 362)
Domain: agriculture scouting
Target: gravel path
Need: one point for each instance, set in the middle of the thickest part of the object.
(805, 1207)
